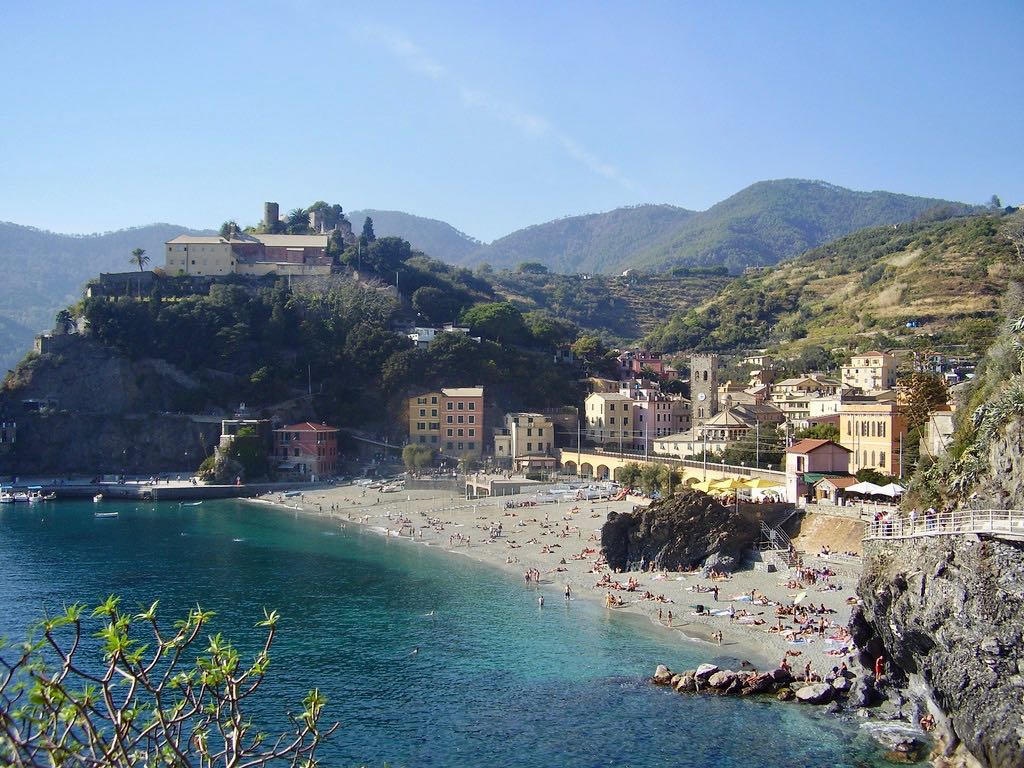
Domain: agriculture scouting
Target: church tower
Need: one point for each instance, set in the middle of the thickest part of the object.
(703, 388)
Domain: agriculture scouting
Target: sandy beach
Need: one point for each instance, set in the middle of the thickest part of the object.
(562, 542)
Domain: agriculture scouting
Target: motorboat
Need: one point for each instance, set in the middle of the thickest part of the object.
(104, 514)
(35, 494)
(6, 496)
(97, 498)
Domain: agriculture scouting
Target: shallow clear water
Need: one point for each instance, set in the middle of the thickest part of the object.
(497, 680)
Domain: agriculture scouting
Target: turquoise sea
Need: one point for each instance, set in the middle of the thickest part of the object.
(497, 680)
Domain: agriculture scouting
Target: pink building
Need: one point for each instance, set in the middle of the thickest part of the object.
(307, 449)
(808, 461)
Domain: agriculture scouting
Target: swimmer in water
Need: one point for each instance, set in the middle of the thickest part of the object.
(415, 651)
(540, 601)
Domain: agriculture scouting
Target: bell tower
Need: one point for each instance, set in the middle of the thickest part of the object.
(703, 388)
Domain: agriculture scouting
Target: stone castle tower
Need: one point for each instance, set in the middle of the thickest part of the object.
(703, 388)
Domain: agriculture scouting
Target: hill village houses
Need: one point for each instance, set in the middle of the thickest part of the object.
(633, 415)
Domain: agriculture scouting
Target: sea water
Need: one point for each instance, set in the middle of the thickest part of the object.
(496, 681)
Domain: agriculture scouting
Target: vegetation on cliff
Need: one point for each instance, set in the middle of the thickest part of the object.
(944, 278)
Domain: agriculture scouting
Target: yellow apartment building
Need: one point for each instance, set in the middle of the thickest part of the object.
(875, 433)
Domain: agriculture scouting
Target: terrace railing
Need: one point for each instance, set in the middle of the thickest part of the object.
(1002, 523)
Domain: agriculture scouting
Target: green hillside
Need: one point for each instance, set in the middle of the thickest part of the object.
(622, 309)
(774, 220)
(763, 224)
(44, 271)
(861, 291)
(435, 238)
(598, 242)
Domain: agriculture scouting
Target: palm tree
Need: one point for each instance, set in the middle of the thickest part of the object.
(139, 257)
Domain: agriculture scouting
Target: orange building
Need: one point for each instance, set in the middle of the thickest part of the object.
(307, 449)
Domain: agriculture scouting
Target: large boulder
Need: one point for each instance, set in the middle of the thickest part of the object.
(863, 693)
(704, 671)
(662, 675)
(679, 533)
(781, 676)
(762, 683)
(686, 683)
(816, 693)
(722, 679)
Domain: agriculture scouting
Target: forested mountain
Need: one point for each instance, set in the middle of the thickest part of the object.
(597, 242)
(763, 224)
(943, 278)
(775, 220)
(44, 271)
(433, 237)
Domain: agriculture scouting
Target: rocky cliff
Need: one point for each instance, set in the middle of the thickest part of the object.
(683, 532)
(947, 612)
(85, 408)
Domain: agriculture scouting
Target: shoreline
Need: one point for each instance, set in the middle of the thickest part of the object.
(552, 538)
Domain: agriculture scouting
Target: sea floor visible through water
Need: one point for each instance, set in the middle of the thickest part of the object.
(496, 679)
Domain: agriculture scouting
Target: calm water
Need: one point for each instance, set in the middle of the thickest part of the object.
(497, 680)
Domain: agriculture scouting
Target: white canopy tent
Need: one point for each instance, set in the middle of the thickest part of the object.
(866, 488)
(892, 489)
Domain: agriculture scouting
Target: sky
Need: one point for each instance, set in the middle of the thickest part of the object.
(495, 116)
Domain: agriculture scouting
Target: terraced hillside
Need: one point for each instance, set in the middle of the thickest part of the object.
(922, 285)
(623, 308)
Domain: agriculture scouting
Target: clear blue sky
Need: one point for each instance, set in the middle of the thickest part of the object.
(495, 116)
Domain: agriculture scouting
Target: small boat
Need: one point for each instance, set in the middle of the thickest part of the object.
(292, 494)
(51, 496)
(190, 503)
(104, 514)
(6, 497)
(35, 494)
(97, 498)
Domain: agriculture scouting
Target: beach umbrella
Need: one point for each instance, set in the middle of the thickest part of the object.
(727, 484)
(799, 598)
(703, 485)
(869, 489)
(892, 489)
(759, 483)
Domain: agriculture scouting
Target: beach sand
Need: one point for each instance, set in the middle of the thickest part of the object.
(543, 536)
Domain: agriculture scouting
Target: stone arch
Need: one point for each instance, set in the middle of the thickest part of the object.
(586, 469)
(569, 467)
(690, 482)
(602, 472)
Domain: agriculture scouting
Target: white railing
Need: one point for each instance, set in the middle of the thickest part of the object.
(773, 537)
(996, 522)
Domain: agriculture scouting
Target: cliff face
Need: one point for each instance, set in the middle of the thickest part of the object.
(948, 612)
(1001, 487)
(104, 413)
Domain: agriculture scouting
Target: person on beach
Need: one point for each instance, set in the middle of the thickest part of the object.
(540, 601)
(714, 591)
(568, 593)
(670, 618)
(879, 667)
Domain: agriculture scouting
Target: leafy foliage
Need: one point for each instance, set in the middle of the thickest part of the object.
(157, 698)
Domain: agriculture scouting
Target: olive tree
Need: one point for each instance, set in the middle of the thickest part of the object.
(156, 698)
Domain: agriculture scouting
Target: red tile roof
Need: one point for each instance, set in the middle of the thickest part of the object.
(307, 426)
(808, 445)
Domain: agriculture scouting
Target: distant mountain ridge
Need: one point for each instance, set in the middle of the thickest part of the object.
(763, 224)
(45, 271)
(433, 237)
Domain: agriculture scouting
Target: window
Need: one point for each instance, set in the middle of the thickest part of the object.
(433, 400)
(472, 419)
(421, 425)
(449, 445)
(529, 447)
(450, 405)
(460, 446)
(433, 411)
(462, 406)
(611, 419)
(611, 407)
(449, 433)
(435, 425)
(540, 433)
(529, 432)
(625, 420)
(471, 446)
(461, 433)
(472, 406)
(872, 458)
(421, 401)
(433, 438)
(449, 418)
(881, 429)
(881, 459)
(461, 418)
(423, 411)
(849, 428)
